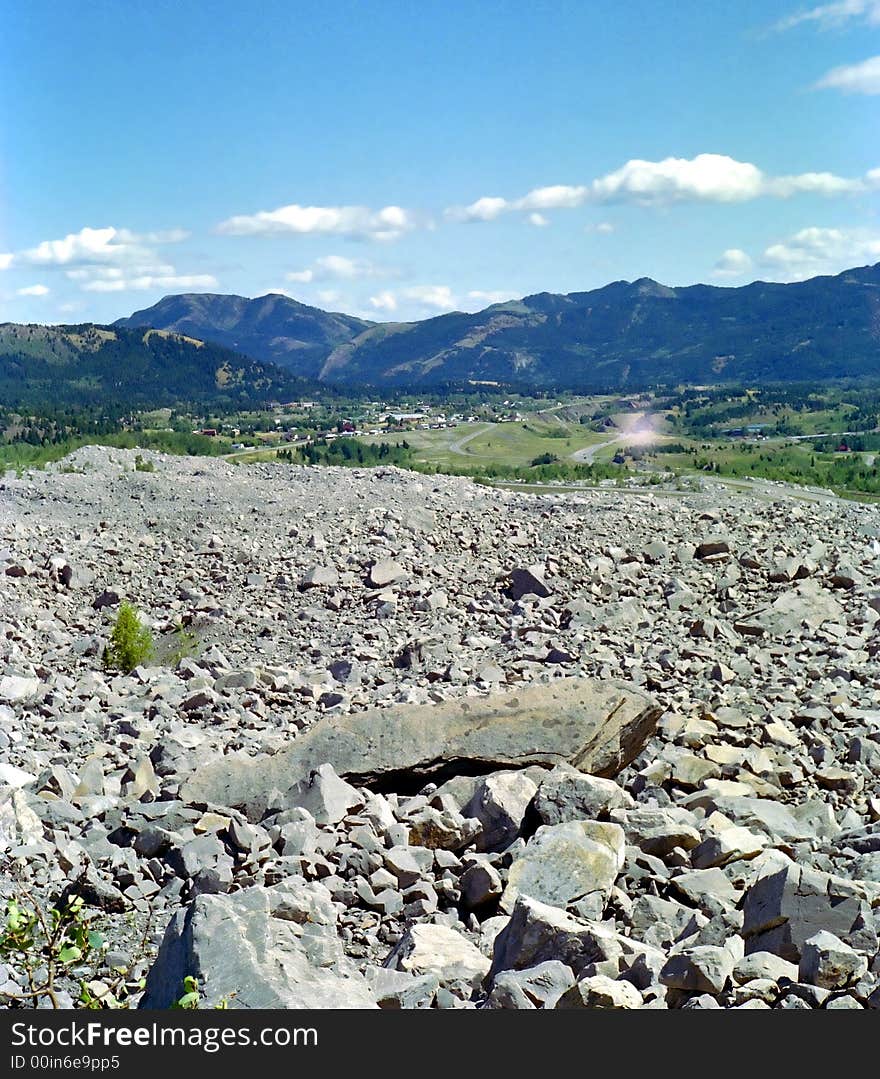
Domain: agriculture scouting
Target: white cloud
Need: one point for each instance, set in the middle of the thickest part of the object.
(95, 246)
(384, 301)
(329, 296)
(340, 268)
(485, 209)
(147, 281)
(426, 297)
(813, 251)
(111, 260)
(604, 228)
(438, 296)
(6, 261)
(863, 78)
(487, 297)
(538, 220)
(555, 197)
(817, 183)
(733, 263)
(357, 222)
(834, 14)
(704, 178)
(33, 290)
(86, 246)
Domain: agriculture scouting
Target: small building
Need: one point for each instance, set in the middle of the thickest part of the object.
(842, 448)
(209, 431)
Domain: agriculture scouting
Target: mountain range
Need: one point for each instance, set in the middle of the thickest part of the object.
(625, 335)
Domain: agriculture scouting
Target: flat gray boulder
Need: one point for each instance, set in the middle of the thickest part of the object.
(808, 604)
(597, 726)
(259, 948)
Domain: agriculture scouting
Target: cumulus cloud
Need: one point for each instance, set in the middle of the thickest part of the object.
(425, 297)
(111, 260)
(102, 245)
(340, 268)
(6, 260)
(384, 301)
(834, 14)
(704, 178)
(538, 220)
(554, 197)
(434, 296)
(815, 250)
(357, 222)
(863, 78)
(485, 209)
(604, 228)
(120, 281)
(733, 263)
(145, 282)
(33, 290)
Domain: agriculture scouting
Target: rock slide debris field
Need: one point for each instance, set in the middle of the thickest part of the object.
(423, 743)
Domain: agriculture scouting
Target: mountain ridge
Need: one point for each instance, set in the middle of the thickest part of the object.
(636, 334)
(273, 328)
(623, 335)
(86, 364)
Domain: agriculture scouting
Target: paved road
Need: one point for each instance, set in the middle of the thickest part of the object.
(586, 455)
(458, 445)
(827, 434)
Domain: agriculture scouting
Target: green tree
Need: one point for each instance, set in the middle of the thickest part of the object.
(130, 643)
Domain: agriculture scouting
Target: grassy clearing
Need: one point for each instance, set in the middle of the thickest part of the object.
(515, 444)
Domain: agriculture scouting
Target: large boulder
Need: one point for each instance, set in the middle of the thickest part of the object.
(808, 604)
(784, 909)
(441, 951)
(259, 948)
(499, 804)
(597, 726)
(538, 932)
(563, 863)
(567, 794)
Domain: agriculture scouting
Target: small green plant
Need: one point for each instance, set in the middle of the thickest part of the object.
(61, 943)
(141, 465)
(185, 644)
(190, 997)
(47, 945)
(130, 643)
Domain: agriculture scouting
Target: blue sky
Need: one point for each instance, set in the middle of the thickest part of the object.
(396, 160)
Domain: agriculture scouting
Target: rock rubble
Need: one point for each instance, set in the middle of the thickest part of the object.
(411, 742)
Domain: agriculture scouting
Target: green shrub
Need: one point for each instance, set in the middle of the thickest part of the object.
(141, 465)
(57, 946)
(130, 643)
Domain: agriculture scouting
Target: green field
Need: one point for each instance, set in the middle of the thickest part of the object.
(517, 443)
